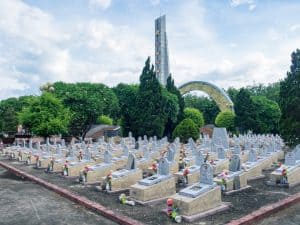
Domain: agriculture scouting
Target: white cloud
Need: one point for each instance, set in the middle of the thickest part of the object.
(273, 34)
(102, 4)
(252, 7)
(251, 3)
(155, 2)
(35, 48)
(295, 27)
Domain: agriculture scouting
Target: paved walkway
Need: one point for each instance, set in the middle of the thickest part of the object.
(289, 216)
(23, 202)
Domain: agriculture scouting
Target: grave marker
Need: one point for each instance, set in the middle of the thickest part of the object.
(235, 163)
(206, 174)
(290, 159)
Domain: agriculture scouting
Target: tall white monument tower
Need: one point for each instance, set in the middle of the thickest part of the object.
(161, 50)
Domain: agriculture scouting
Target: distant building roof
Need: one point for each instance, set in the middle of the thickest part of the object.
(97, 131)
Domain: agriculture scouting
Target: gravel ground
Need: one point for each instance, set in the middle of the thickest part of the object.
(23, 202)
(242, 202)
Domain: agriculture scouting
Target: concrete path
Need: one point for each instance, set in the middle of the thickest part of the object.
(23, 202)
(289, 216)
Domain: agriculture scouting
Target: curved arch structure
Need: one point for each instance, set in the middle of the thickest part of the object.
(217, 94)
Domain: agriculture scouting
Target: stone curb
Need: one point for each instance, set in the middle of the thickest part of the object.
(123, 220)
(266, 211)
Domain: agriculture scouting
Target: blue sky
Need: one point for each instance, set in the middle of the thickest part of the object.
(226, 42)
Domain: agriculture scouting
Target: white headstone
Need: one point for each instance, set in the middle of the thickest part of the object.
(206, 174)
(163, 167)
(131, 162)
(171, 155)
(252, 156)
(199, 159)
(63, 143)
(125, 150)
(146, 152)
(290, 159)
(221, 153)
(235, 163)
(237, 149)
(38, 145)
(30, 143)
(107, 156)
(220, 135)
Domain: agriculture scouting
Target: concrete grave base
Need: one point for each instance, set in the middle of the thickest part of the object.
(235, 191)
(174, 167)
(223, 207)
(193, 206)
(257, 177)
(151, 202)
(58, 166)
(145, 164)
(122, 183)
(75, 170)
(254, 172)
(192, 177)
(44, 163)
(144, 193)
(220, 166)
(293, 177)
(95, 176)
(244, 157)
(230, 185)
(280, 155)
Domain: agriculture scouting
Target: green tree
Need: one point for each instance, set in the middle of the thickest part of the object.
(45, 116)
(195, 115)
(150, 109)
(270, 91)
(86, 101)
(9, 109)
(225, 119)
(186, 129)
(8, 115)
(174, 90)
(127, 95)
(244, 110)
(289, 99)
(267, 115)
(205, 105)
(232, 92)
(171, 106)
(104, 120)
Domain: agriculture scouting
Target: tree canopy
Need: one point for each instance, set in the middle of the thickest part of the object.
(290, 102)
(9, 109)
(267, 115)
(151, 106)
(225, 119)
(127, 95)
(244, 110)
(45, 116)
(87, 102)
(104, 120)
(205, 105)
(195, 115)
(174, 106)
(186, 129)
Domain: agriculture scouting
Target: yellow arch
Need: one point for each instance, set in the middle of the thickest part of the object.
(217, 94)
